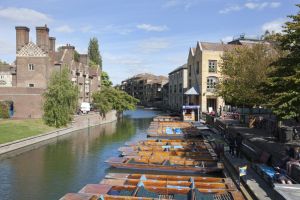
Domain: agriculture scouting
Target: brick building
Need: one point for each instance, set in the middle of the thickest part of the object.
(33, 67)
(145, 87)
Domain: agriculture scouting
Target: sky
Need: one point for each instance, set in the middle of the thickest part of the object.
(140, 36)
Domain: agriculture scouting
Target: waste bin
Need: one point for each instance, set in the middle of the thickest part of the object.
(286, 134)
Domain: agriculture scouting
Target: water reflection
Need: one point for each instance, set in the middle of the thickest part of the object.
(70, 162)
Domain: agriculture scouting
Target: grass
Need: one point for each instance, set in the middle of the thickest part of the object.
(11, 130)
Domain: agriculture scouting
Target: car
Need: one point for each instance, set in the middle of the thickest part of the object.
(85, 107)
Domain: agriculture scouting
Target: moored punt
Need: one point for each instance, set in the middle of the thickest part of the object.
(163, 129)
(173, 164)
(166, 118)
(141, 191)
(205, 183)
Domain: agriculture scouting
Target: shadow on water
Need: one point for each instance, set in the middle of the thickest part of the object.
(71, 161)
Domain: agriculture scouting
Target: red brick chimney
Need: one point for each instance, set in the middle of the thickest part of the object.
(52, 44)
(22, 37)
(42, 38)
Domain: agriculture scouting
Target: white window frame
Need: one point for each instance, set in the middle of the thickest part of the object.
(30, 67)
(212, 66)
(211, 82)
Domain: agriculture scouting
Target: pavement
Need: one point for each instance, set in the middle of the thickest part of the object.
(253, 183)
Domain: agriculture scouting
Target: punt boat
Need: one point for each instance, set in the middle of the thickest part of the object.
(169, 164)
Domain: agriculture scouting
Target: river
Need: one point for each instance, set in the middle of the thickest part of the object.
(69, 162)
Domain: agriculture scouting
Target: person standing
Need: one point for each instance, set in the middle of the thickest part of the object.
(238, 142)
(231, 144)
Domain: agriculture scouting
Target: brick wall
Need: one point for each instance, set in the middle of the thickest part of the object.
(27, 101)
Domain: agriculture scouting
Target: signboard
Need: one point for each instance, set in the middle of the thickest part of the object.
(191, 107)
(243, 170)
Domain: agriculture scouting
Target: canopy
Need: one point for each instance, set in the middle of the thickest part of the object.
(191, 91)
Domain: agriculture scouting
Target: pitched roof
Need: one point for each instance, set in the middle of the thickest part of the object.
(178, 69)
(31, 50)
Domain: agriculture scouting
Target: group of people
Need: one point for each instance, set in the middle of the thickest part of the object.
(235, 144)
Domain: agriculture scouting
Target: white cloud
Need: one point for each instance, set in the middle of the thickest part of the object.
(64, 29)
(275, 25)
(230, 9)
(24, 15)
(275, 4)
(149, 27)
(127, 60)
(251, 5)
(153, 45)
(227, 39)
(86, 29)
(119, 29)
(186, 4)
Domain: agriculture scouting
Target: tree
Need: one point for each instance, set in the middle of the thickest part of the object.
(243, 70)
(113, 99)
(60, 99)
(76, 56)
(282, 87)
(105, 81)
(94, 53)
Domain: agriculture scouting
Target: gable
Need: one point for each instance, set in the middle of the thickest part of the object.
(31, 50)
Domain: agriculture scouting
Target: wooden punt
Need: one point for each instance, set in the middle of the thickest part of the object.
(112, 191)
(170, 181)
(173, 164)
(167, 129)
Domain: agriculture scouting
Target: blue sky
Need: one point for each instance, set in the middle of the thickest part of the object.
(137, 36)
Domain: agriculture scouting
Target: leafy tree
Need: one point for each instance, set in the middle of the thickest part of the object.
(243, 70)
(94, 53)
(3, 62)
(283, 84)
(105, 81)
(76, 56)
(60, 99)
(112, 99)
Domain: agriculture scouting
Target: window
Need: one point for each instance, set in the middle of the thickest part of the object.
(30, 67)
(211, 83)
(180, 87)
(31, 85)
(190, 83)
(1, 77)
(174, 88)
(190, 70)
(212, 66)
(197, 67)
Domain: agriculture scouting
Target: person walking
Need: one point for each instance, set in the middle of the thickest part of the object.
(238, 143)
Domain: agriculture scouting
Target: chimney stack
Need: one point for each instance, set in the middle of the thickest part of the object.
(52, 44)
(22, 37)
(42, 38)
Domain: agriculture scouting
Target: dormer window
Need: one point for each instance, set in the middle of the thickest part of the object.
(31, 67)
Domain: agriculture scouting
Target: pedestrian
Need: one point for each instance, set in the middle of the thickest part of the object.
(238, 144)
(231, 144)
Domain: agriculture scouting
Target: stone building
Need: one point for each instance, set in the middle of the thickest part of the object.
(145, 87)
(178, 84)
(203, 74)
(34, 65)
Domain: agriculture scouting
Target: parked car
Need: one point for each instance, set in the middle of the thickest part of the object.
(85, 107)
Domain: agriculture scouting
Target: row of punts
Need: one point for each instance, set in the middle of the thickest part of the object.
(170, 154)
(147, 186)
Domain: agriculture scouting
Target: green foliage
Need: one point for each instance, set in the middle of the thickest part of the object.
(3, 62)
(4, 110)
(283, 84)
(94, 53)
(76, 56)
(112, 99)
(243, 70)
(105, 81)
(60, 99)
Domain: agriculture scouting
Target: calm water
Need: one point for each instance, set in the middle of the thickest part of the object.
(70, 162)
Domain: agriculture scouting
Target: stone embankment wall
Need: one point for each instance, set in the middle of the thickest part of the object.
(80, 122)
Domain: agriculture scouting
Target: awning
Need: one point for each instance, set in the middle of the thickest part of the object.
(191, 91)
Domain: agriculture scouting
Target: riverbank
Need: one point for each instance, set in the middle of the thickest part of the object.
(80, 122)
(12, 130)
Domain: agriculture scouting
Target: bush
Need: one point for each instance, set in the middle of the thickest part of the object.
(4, 110)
